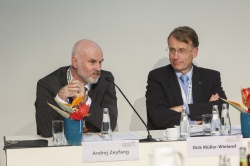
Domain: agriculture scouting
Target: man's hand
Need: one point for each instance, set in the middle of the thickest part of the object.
(71, 90)
(198, 122)
(214, 97)
(177, 108)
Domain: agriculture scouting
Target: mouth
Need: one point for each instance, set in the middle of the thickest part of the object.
(175, 63)
(96, 74)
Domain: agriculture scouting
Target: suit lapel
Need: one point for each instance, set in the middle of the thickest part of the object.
(196, 84)
(90, 92)
(63, 78)
(174, 85)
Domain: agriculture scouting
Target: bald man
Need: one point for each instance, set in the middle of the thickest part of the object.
(85, 76)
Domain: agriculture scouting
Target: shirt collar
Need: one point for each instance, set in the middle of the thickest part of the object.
(189, 74)
(88, 86)
(70, 78)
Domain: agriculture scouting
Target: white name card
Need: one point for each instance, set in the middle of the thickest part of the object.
(110, 150)
(213, 146)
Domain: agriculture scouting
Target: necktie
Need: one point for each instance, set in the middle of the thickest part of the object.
(184, 80)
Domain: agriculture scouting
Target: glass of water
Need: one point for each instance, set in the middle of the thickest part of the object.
(206, 124)
(58, 133)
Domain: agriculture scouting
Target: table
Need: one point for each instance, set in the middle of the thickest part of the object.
(71, 155)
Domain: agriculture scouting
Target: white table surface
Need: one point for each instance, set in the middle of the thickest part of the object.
(71, 155)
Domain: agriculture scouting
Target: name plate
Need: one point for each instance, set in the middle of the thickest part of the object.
(110, 150)
(213, 146)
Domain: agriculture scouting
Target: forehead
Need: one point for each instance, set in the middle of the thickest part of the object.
(174, 43)
(92, 53)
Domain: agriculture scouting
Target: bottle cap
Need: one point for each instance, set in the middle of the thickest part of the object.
(215, 106)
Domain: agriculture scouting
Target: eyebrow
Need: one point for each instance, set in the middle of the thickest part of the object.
(177, 49)
(96, 60)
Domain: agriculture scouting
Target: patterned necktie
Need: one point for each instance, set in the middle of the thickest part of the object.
(184, 80)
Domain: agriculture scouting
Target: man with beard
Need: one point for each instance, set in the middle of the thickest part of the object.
(83, 76)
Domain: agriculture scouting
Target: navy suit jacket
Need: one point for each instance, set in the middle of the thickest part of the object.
(102, 93)
(164, 92)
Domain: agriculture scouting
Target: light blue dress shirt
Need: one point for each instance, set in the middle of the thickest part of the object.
(189, 74)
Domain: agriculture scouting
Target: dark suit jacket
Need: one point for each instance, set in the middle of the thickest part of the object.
(164, 92)
(103, 95)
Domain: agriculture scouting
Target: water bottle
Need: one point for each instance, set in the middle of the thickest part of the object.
(215, 123)
(225, 120)
(184, 124)
(106, 129)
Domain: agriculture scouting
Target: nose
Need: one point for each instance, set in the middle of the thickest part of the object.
(98, 66)
(175, 55)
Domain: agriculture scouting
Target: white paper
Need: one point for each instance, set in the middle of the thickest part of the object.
(213, 146)
(196, 128)
(91, 138)
(110, 151)
(114, 136)
(235, 129)
(126, 136)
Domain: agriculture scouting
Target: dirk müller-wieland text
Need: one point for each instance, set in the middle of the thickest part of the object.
(215, 147)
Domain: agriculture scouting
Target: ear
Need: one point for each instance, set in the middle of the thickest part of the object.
(195, 51)
(74, 62)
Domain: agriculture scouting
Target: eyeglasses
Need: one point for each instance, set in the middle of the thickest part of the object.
(181, 51)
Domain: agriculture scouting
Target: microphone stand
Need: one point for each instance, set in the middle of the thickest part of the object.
(149, 137)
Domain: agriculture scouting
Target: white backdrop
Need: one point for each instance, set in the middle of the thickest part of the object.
(36, 38)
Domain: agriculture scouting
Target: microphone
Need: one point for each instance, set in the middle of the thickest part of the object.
(149, 137)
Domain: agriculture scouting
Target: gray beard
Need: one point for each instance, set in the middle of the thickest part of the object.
(88, 79)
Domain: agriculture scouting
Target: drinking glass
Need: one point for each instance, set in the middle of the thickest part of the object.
(58, 133)
(206, 124)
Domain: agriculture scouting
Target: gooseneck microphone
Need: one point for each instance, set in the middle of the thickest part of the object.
(149, 137)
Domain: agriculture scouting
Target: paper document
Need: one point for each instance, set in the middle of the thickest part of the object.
(235, 129)
(114, 136)
(126, 136)
(196, 130)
